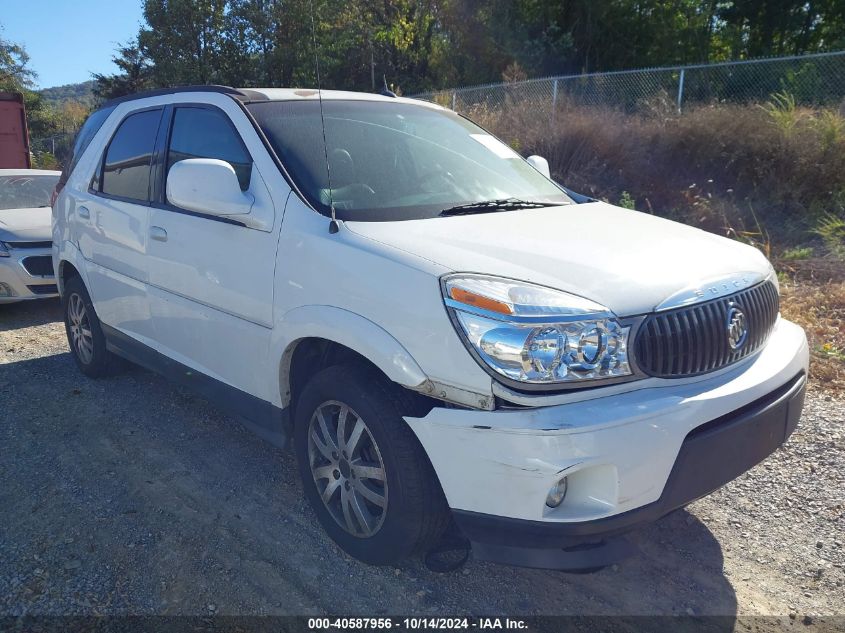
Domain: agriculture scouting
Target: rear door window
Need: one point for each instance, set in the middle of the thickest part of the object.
(208, 133)
(126, 165)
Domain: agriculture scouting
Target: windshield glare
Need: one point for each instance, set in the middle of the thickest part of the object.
(395, 161)
(25, 191)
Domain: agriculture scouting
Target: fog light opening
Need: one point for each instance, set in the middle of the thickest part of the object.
(556, 494)
(6, 290)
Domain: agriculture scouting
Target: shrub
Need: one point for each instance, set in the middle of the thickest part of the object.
(726, 168)
(831, 228)
(798, 253)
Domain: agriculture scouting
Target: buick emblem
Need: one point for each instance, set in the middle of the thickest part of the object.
(737, 327)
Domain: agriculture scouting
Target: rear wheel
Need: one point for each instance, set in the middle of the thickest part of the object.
(363, 469)
(84, 334)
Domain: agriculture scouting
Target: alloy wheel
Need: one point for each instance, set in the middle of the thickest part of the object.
(80, 329)
(347, 468)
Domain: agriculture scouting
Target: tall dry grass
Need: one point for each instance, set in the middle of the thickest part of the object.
(765, 173)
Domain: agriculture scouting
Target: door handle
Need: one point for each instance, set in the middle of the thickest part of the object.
(158, 234)
(84, 213)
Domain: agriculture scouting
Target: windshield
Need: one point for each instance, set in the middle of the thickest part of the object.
(25, 191)
(395, 161)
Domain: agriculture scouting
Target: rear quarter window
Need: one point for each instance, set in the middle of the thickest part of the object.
(83, 139)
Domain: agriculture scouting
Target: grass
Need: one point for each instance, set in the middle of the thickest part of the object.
(797, 253)
(819, 307)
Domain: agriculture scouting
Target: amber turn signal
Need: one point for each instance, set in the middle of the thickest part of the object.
(479, 301)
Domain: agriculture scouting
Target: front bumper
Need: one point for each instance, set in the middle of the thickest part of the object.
(19, 284)
(629, 458)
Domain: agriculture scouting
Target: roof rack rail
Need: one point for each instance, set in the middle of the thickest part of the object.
(234, 92)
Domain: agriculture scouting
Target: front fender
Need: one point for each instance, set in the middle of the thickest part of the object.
(348, 329)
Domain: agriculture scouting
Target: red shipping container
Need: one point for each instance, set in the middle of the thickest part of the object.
(14, 138)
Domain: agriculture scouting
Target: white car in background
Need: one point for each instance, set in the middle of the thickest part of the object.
(448, 337)
(26, 263)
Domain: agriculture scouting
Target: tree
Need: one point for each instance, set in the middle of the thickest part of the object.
(184, 41)
(136, 74)
(269, 42)
(423, 44)
(782, 27)
(15, 74)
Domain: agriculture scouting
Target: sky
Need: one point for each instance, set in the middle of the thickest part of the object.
(67, 40)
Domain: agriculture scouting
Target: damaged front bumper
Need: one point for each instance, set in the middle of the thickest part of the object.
(629, 458)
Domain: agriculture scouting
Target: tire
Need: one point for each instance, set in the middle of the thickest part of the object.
(87, 344)
(414, 514)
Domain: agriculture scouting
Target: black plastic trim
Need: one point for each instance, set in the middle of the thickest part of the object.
(30, 245)
(44, 289)
(263, 418)
(226, 90)
(711, 455)
(39, 265)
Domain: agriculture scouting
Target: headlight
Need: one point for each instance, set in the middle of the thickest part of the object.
(538, 335)
(4, 250)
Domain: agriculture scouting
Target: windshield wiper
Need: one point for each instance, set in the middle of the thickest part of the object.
(490, 206)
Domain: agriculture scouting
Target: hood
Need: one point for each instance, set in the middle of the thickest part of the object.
(26, 225)
(628, 261)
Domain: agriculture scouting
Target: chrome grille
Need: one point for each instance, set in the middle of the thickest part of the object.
(695, 339)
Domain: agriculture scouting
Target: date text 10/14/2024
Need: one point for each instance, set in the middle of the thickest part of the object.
(416, 623)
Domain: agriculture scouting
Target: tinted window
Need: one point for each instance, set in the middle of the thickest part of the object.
(206, 133)
(126, 169)
(84, 137)
(393, 160)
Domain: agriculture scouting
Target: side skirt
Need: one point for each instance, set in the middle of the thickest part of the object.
(261, 417)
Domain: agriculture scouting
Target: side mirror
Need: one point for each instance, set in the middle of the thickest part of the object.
(540, 164)
(207, 185)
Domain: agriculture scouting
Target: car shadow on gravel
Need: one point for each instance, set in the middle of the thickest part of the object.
(129, 495)
(23, 314)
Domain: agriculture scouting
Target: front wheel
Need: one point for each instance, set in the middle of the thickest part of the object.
(363, 470)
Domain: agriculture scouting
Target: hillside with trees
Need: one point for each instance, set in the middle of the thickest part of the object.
(82, 93)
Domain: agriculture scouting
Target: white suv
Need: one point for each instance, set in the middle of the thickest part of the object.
(465, 347)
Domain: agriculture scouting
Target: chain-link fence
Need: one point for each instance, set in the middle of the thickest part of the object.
(812, 80)
(50, 152)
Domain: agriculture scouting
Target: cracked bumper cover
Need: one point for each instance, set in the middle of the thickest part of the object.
(629, 458)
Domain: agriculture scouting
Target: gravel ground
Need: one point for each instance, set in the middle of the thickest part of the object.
(130, 496)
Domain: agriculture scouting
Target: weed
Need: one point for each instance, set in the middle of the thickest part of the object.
(831, 228)
(797, 253)
(829, 350)
(820, 309)
(784, 112)
(626, 201)
(830, 126)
